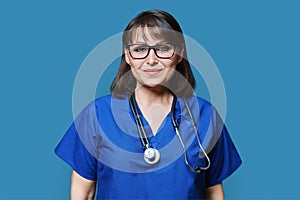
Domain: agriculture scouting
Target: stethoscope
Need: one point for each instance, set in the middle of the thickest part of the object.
(152, 155)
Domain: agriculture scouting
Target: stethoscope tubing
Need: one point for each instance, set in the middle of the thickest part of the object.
(176, 127)
(138, 121)
(146, 144)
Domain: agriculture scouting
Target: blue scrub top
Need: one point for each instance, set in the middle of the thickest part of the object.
(102, 144)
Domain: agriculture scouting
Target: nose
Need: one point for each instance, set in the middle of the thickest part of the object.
(151, 58)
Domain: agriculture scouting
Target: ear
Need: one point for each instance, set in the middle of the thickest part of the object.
(126, 54)
(180, 54)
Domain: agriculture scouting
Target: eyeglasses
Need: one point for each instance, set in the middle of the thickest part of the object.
(161, 50)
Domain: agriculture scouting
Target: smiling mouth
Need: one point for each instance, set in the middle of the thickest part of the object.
(152, 71)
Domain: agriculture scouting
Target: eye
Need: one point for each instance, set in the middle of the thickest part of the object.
(163, 48)
(140, 49)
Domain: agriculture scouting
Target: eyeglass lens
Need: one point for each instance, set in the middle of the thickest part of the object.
(140, 51)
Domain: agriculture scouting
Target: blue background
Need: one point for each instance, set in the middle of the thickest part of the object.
(255, 45)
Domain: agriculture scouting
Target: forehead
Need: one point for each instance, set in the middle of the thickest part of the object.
(149, 35)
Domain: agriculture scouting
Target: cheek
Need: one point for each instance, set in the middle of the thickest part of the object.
(171, 69)
(135, 70)
(174, 61)
(135, 64)
(171, 72)
(171, 65)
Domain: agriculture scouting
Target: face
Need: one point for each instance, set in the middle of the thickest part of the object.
(152, 70)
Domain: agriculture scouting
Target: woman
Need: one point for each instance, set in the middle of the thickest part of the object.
(150, 116)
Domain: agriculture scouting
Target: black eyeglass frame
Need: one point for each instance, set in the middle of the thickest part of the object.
(154, 49)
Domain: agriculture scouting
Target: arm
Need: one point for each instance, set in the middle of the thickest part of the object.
(82, 188)
(215, 192)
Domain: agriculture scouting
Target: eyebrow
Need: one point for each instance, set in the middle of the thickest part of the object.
(144, 43)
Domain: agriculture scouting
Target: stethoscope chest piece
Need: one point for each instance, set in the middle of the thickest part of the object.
(151, 156)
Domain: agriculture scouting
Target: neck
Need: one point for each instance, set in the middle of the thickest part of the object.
(155, 104)
(153, 96)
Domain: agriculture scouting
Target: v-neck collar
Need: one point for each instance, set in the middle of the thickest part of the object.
(165, 132)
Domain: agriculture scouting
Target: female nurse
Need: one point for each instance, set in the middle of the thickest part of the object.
(140, 141)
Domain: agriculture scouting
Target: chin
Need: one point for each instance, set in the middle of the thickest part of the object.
(153, 85)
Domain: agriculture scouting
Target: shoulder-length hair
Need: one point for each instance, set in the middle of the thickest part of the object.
(164, 26)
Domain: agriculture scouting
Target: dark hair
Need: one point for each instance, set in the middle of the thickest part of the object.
(166, 26)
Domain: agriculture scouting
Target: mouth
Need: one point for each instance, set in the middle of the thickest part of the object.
(152, 71)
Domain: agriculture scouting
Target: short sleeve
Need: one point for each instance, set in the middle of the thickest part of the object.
(224, 159)
(78, 146)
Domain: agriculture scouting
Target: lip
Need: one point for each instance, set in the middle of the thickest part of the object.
(152, 71)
